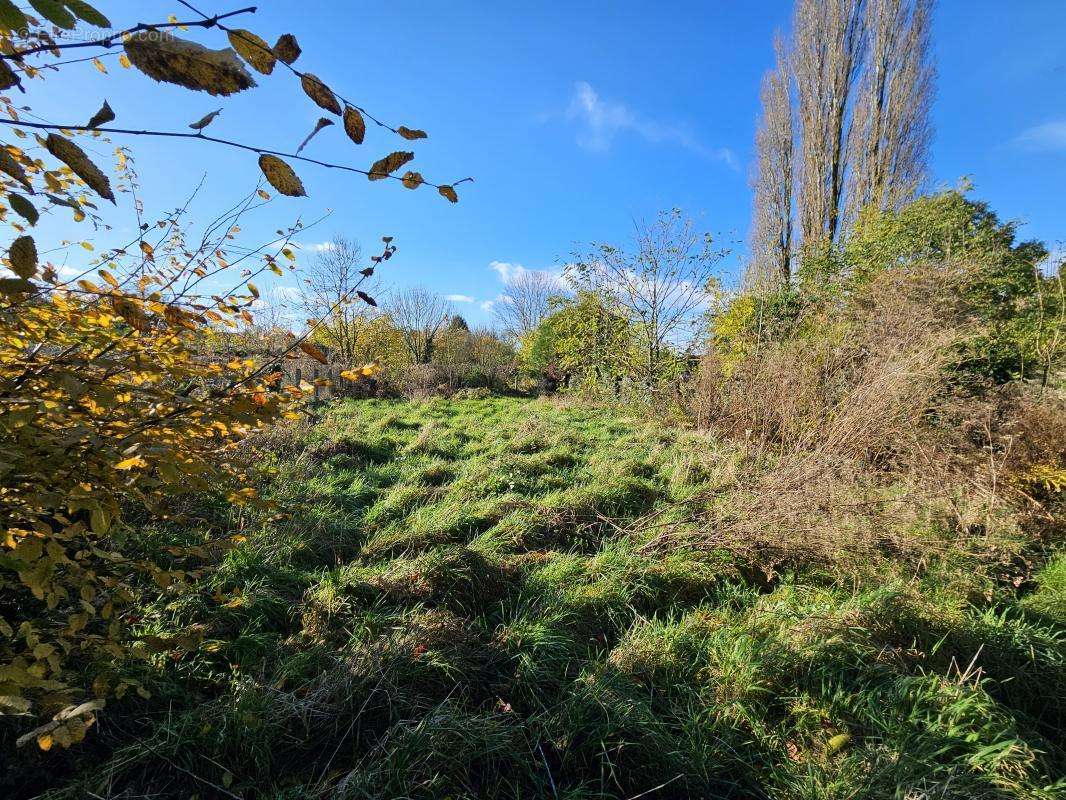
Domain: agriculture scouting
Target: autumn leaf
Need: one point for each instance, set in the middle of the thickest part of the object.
(75, 158)
(313, 351)
(837, 743)
(105, 114)
(412, 180)
(23, 256)
(11, 18)
(54, 12)
(86, 13)
(99, 65)
(167, 58)
(205, 120)
(10, 166)
(354, 125)
(286, 48)
(323, 122)
(253, 49)
(408, 133)
(24, 208)
(281, 176)
(8, 78)
(370, 301)
(390, 163)
(15, 286)
(320, 93)
(449, 193)
(132, 313)
(365, 371)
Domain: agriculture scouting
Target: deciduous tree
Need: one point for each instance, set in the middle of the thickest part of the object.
(420, 315)
(659, 287)
(524, 301)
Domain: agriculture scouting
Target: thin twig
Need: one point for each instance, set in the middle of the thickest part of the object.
(216, 140)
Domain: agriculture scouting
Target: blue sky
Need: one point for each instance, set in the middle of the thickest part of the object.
(575, 119)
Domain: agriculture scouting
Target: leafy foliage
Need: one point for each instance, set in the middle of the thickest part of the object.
(582, 345)
(1013, 301)
(473, 595)
(113, 409)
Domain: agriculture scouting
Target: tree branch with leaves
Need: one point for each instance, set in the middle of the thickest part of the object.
(111, 401)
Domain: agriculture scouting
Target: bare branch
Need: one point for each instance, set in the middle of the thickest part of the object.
(420, 315)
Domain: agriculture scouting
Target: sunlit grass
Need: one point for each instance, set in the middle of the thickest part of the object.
(456, 603)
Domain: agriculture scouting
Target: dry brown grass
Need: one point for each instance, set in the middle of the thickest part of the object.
(859, 441)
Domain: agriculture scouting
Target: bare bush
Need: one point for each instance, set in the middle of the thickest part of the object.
(872, 447)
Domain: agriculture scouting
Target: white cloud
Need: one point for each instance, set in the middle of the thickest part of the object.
(317, 247)
(601, 119)
(278, 297)
(509, 272)
(486, 305)
(1049, 136)
(459, 298)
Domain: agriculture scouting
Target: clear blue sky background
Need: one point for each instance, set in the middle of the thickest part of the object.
(574, 117)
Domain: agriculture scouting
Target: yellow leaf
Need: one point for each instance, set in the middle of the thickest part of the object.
(253, 289)
(318, 91)
(253, 50)
(130, 463)
(124, 60)
(313, 351)
(75, 158)
(99, 521)
(44, 741)
(281, 176)
(390, 163)
(165, 57)
(99, 65)
(837, 743)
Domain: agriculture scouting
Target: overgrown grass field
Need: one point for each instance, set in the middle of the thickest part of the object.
(471, 599)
